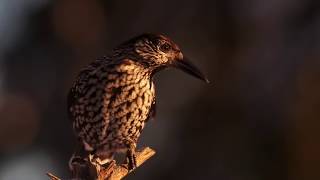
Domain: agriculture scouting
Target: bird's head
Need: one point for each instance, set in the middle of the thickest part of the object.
(158, 52)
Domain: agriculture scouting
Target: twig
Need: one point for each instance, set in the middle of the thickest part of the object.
(52, 177)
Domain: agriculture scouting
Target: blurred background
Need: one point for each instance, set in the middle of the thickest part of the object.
(257, 120)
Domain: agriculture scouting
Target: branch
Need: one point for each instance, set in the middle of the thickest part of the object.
(87, 170)
(52, 177)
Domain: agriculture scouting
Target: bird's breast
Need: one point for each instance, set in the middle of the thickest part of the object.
(126, 105)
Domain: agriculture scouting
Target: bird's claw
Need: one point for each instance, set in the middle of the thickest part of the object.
(98, 163)
(74, 161)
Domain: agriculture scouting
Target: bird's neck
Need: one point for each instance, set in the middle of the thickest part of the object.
(118, 57)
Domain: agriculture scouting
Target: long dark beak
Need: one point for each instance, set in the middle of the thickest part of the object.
(187, 66)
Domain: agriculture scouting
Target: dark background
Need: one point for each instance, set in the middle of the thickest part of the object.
(257, 120)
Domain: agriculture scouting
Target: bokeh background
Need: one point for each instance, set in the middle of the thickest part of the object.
(257, 120)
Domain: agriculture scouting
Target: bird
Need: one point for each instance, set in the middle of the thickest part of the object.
(114, 96)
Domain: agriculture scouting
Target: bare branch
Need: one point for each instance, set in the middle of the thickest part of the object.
(52, 177)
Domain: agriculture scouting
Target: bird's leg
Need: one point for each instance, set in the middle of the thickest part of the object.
(131, 156)
(70, 163)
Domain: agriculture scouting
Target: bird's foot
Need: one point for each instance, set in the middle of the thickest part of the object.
(94, 162)
(100, 166)
(97, 162)
(74, 161)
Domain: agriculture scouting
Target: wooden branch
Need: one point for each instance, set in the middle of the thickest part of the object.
(121, 171)
(112, 171)
(52, 177)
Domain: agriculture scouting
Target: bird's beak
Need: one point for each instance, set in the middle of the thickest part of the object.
(185, 65)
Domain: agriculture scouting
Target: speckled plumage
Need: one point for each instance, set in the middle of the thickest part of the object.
(114, 96)
(110, 102)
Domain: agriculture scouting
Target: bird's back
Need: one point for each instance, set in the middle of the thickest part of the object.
(109, 104)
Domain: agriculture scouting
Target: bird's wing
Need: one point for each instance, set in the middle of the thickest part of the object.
(83, 110)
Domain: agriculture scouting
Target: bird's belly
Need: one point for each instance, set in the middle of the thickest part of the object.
(125, 116)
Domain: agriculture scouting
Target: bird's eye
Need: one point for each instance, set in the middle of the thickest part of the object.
(165, 47)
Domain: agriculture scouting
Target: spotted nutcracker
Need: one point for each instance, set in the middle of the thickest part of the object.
(114, 96)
